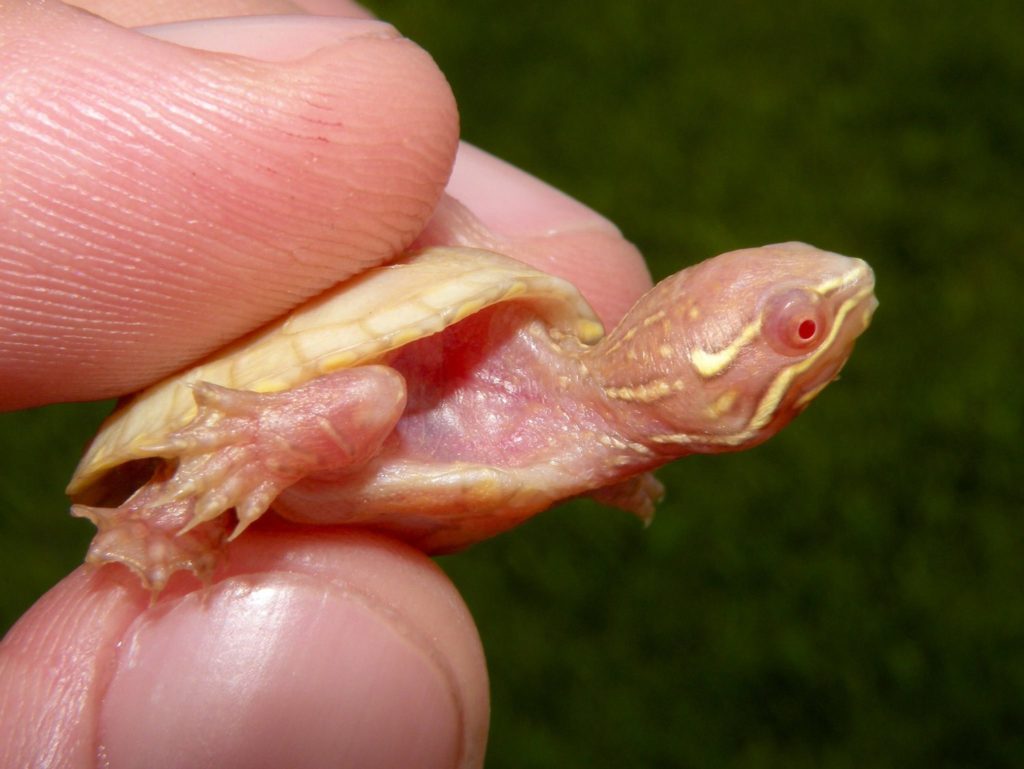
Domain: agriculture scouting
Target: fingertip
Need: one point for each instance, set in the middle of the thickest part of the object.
(163, 201)
(402, 586)
(314, 648)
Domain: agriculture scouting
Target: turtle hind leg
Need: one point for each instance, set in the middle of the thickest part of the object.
(240, 451)
(244, 448)
(146, 537)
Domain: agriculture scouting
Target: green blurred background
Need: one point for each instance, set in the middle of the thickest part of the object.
(849, 594)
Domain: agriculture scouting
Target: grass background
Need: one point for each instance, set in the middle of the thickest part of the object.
(849, 594)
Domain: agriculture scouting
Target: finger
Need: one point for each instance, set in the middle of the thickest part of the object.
(556, 233)
(160, 201)
(526, 218)
(315, 651)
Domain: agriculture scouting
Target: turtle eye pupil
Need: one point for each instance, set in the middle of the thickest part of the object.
(807, 329)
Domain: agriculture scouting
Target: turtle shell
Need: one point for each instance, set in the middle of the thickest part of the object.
(355, 323)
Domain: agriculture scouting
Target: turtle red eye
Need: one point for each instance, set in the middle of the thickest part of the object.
(794, 322)
(807, 329)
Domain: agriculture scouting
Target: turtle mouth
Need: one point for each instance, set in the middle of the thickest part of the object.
(855, 307)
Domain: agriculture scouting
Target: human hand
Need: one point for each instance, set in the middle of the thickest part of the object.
(159, 202)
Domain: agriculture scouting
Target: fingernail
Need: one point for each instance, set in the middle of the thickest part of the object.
(280, 671)
(268, 38)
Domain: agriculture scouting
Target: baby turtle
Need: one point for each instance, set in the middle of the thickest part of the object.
(450, 395)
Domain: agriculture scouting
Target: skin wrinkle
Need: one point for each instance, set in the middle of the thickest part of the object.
(307, 252)
(158, 286)
(78, 332)
(98, 230)
(103, 262)
(44, 296)
(255, 267)
(89, 108)
(79, 674)
(289, 139)
(135, 294)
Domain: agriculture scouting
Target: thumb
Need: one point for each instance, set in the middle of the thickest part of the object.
(159, 201)
(326, 648)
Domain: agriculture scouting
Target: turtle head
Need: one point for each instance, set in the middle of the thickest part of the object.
(722, 355)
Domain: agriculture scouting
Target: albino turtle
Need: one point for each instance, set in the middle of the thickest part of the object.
(450, 395)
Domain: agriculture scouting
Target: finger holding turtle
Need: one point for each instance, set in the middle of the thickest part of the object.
(399, 632)
(258, 184)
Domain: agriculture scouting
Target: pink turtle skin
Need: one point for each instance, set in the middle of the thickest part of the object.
(463, 434)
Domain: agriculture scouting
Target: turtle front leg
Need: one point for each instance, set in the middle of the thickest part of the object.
(244, 448)
(240, 451)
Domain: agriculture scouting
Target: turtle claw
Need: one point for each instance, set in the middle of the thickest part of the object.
(252, 507)
(637, 495)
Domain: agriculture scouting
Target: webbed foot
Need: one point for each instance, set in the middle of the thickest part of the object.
(147, 539)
